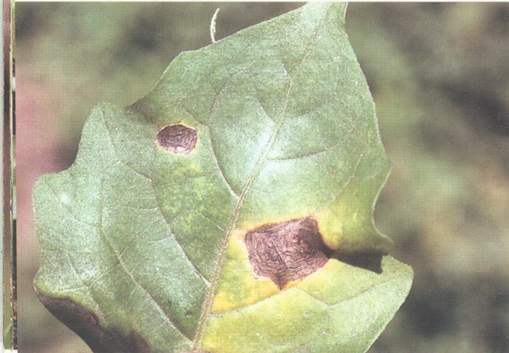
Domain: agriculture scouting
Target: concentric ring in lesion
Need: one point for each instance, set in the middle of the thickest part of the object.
(286, 251)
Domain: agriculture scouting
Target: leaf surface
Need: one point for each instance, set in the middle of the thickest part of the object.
(143, 238)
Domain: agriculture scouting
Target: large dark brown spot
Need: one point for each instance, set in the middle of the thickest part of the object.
(177, 138)
(86, 324)
(286, 251)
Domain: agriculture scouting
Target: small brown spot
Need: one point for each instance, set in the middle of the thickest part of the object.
(177, 138)
(286, 251)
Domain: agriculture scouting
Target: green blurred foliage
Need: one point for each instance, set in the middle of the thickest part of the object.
(439, 75)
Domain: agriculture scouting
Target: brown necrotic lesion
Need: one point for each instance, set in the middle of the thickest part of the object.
(286, 251)
(100, 339)
(177, 138)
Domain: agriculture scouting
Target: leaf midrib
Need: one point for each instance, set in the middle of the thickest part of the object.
(207, 303)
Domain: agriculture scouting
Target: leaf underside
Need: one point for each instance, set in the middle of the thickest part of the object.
(271, 132)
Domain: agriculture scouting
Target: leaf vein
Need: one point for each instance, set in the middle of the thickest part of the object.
(186, 256)
(130, 274)
(220, 169)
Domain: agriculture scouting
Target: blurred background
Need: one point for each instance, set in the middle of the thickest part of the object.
(439, 74)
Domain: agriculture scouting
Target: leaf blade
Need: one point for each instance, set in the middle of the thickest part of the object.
(154, 229)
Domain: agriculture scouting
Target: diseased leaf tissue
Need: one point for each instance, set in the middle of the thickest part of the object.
(229, 210)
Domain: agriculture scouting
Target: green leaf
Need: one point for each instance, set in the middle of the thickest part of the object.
(230, 210)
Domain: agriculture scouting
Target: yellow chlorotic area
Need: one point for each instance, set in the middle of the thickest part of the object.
(330, 227)
(239, 286)
(266, 326)
(315, 306)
